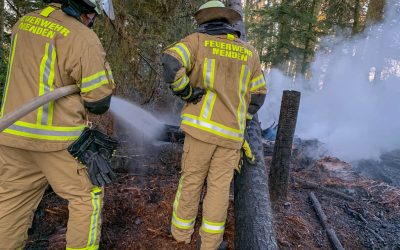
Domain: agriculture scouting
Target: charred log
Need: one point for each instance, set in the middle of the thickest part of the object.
(279, 173)
(324, 221)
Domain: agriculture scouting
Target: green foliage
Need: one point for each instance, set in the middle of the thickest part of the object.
(287, 32)
(142, 30)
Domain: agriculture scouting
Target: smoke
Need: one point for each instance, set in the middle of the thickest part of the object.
(352, 104)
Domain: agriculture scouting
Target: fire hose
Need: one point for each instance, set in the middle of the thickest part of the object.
(10, 118)
(93, 148)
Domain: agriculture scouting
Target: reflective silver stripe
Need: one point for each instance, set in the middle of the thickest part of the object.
(181, 223)
(209, 86)
(209, 63)
(185, 54)
(212, 127)
(46, 75)
(242, 91)
(95, 81)
(95, 219)
(44, 132)
(209, 100)
(258, 83)
(180, 84)
(212, 227)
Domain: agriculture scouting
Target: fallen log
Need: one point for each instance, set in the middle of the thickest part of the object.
(314, 185)
(335, 242)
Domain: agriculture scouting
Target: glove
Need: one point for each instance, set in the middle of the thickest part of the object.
(246, 155)
(195, 95)
(99, 170)
(95, 150)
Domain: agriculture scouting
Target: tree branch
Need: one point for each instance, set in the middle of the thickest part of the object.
(14, 8)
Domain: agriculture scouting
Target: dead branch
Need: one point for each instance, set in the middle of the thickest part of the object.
(355, 214)
(324, 221)
(314, 185)
(375, 234)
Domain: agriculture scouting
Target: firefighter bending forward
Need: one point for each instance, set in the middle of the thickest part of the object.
(52, 48)
(220, 78)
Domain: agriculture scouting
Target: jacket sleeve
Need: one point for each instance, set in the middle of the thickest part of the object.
(258, 87)
(177, 61)
(96, 80)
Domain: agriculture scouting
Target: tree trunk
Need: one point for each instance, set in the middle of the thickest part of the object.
(282, 52)
(357, 16)
(253, 214)
(280, 165)
(310, 43)
(375, 11)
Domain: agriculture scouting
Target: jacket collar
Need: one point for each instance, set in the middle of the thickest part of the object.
(217, 28)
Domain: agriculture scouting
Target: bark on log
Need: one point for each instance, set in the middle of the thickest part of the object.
(279, 173)
(254, 227)
(324, 221)
(17, 114)
(253, 214)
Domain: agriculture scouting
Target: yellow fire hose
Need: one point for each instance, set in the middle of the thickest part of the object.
(10, 118)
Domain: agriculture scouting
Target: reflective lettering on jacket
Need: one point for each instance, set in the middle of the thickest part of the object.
(229, 50)
(42, 27)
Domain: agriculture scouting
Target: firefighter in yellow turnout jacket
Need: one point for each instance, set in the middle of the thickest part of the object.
(52, 48)
(220, 78)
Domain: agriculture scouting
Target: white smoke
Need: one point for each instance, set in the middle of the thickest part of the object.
(355, 117)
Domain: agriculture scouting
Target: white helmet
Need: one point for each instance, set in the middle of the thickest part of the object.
(103, 5)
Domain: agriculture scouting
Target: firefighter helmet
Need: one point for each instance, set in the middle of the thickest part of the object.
(213, 10)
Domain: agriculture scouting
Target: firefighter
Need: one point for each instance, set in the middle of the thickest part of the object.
(219, 76)
(52, 48)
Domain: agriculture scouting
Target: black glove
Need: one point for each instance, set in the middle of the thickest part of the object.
(95, 150)
(195, 95)
(99, 170)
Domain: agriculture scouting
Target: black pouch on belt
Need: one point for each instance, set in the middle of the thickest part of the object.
(95, 150)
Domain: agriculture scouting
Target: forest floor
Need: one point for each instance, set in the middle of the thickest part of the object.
(137, 208)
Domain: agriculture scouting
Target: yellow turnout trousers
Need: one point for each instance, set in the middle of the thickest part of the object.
(202, 160)
(24, 176)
